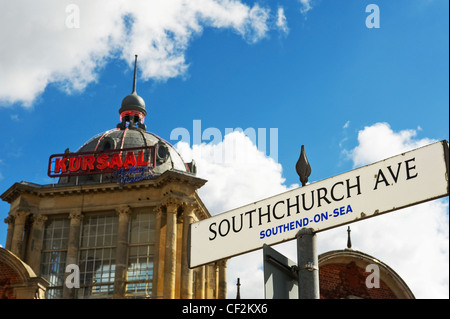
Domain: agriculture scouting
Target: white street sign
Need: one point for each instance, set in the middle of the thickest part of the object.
(391, 184)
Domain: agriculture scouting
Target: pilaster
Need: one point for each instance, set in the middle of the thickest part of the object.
(186, 272)
(121, 251)
(20, 218)
(10, 221)
(37, 236)
(170, 261)
(76, 218)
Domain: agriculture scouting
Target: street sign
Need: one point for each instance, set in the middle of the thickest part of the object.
(404, 180)
(280, 275)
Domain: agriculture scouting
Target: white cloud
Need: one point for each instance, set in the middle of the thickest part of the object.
(305, 6)
(281, 21)
(14, 117)
(379, 141)
(238, 174)
(45, 45)
(414, 241)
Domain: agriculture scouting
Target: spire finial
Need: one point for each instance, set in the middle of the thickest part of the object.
(132, 111)
(238, 293)
(303, 168)
(349, 241)
(134, 77)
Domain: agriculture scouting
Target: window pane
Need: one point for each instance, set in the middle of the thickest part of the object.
(53, 267)
(140, 254)
(54, 252)
(142, 228)
(56, 233)
(97, 255)
(140, 270)
(99, 231)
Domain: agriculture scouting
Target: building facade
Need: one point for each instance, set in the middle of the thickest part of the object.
(116, 222)
(352, 274)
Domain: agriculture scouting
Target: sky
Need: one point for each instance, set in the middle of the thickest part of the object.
(354, 81)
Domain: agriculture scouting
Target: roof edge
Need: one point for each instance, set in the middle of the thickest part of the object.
(23, 187)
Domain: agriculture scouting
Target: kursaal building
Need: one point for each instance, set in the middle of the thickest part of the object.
(115, 225)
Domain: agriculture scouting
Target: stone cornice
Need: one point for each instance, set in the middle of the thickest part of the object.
(63, 190)
(202, 210)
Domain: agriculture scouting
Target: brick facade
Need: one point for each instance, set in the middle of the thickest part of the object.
(8, 277)
(343, 275)
(338, 281)
(17, 279)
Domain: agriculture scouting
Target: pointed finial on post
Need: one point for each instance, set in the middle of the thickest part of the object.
(134, 77)
(349, 241)
(303, 168)
(238, 294)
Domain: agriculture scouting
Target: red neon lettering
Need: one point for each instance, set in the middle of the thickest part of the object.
(98, 161)
(130, 160)
(74, 164)
(60, 165)
(88, 161)
(116, 161)
(102, 161)
(141, 161)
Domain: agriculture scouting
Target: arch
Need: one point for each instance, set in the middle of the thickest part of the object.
(343, 274)
(18, 280)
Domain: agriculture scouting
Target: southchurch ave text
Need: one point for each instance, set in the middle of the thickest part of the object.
(400, 181)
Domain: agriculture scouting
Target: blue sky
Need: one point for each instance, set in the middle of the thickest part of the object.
(322, 78)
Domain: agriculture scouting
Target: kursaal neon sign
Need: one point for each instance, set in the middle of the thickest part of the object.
(102, 162)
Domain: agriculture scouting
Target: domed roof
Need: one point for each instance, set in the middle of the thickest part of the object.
(131, 133)
(133, 102)
(167, 158)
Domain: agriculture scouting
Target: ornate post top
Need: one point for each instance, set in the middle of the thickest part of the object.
(76, 215)
(20, 215)
(39, 219)
(189, 208)
(222, 262)
(302, 167)
(9, 219)
(171, 203)
(123, 210)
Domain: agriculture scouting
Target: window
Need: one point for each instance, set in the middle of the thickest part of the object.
(141, 253)
(97, 255)
(54, 252)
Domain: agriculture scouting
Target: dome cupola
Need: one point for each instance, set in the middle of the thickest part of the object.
(132, 111)
(130, 134)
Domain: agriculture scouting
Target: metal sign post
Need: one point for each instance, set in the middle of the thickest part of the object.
(284, 279)
(308, 265)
